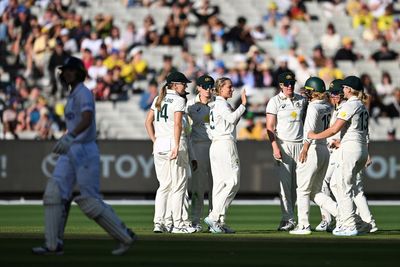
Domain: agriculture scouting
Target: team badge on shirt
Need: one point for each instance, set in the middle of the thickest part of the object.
(342, 114)
(206, 118)
(293, 114)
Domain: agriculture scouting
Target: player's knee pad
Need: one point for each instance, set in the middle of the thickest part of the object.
(52, 195)
(92, 207)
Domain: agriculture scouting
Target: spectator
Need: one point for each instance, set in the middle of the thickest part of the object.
(362, 19)
(391, 134)
(166, 69)
(44, 126)
(258, 33)
(385, 88)
(147, 97)
(130, 36)
(319, 57)
(97, 70)
(346, 52)
(102, 89)
(330, 72)
(393, 109)
(57, 58)
(103, 25)
(204, 12)
(372, 33)
(137, 68)
(219, 70)
(298, 11)
(330, 41)
(375, 105)
(263, 75)
(114, 41)
(87, 58)
(282, 67)
(93, 43)
(70, 45)
(239, 36)
(118, 90)
(253, 130)
(384, 53)
(284, 39)
(303, 72)
(10, 120)
(333, 8)
(273, 15)
(378, 7)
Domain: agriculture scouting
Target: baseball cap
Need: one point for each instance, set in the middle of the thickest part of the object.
(177, 77)
(205, 81)
(335, 87)
(353, 82)
(287, 76)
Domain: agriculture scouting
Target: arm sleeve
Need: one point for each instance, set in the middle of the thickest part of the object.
(232, 116)
(345, 112)
(153, 105)
(310, 122)
(180, 105)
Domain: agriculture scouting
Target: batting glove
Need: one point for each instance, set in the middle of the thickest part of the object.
(63, 144)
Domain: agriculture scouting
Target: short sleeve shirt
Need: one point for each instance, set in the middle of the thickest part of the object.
(289, 116)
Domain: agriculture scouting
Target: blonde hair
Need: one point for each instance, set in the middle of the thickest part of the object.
(219, 83)
(319, 96)
(161, 97)
(360, 95)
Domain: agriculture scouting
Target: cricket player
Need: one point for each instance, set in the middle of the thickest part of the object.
(352, 121)
(198, 110)
(78, 163)
(330, 185)
(164, 125)
(284, 120)
(225, 164)
(314, 157)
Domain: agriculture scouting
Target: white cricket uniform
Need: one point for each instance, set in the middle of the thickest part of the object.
(329, 185)
(310, 174)
(352, 156)
(81, 164)
(171, 174)
(289, 132)
(200, 139)
(224, 157)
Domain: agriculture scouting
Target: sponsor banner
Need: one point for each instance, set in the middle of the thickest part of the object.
(128, 167)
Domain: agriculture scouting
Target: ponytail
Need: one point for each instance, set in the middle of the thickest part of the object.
(219, 83)
(363, 97)
(161, 97)
(319, 96)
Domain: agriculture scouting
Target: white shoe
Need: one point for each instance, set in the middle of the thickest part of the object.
(374, 228)
(290, 225)
(301, 230)
(122, 247)
(182, 230)
(346, 231)
(215, 227)
(159, 228)
(322, 226)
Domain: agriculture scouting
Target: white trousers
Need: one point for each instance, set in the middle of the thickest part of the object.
(310, 176)
(172, 176)
(225, 167)
(290, 152)
(201, 180)
(352, 157)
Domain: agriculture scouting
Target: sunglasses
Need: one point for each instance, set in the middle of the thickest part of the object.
(289, 83)
(184, 84)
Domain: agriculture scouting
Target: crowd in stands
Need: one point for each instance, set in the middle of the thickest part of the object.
(32, 46)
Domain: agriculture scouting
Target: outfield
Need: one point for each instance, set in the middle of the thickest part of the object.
(256, 242)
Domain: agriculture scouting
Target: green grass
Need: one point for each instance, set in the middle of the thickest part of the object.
(256, 242)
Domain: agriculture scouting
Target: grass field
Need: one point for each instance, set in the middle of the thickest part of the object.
(256, 242)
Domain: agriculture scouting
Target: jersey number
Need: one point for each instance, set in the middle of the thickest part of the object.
(212, 127)
(364, 121)
(163, 113)
(326, 119)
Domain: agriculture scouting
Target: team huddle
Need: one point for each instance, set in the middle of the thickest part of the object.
(319, 141)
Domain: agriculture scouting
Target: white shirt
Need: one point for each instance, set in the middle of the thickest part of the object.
(289, 116)
(92, 45)
(164, 119)
(356, 116)
(317, 119)
(335, 112)
(199, 114)
(81, 99)
(223, 119)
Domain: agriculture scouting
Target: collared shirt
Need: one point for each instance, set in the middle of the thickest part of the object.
(199, 114)
(81, 99)
(164, 119)
(356, 116)
(317, 119)
(223, 119)
(289, 116)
